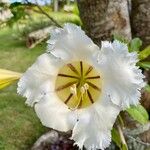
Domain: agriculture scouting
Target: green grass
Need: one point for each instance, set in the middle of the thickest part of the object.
(19, 125)
(13, 53)
(38, 21)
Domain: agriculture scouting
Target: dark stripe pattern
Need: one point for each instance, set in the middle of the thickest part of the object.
(79, 74)
(73, 69)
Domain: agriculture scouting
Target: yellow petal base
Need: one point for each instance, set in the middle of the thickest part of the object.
(78, 84)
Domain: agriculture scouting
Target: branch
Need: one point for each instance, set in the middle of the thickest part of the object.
(138, 140)
(53, 20)
(139, 130)
(44, 13)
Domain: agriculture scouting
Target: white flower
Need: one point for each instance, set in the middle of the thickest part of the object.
(123, 79)
(76, 86)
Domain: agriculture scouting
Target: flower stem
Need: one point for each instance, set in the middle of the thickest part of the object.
(124, 144)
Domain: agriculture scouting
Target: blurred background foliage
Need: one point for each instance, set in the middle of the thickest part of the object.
(19, 126)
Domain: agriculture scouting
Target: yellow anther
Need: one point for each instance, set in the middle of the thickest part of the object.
(82, 90)
(86, 86)
(73, 89)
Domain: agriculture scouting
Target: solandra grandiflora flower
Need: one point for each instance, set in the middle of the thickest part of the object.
(78, 86)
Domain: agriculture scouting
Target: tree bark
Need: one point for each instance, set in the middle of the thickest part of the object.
(103, 18)
(140, 20)
(55, 5)
(38, 36)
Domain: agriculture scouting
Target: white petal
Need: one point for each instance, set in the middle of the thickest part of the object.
(53, 113)
(71, 43)
(38, 79)
(93, 129)
(122, 78)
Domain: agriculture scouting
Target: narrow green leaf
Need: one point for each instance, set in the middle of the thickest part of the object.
(144, 53)
(124, 147)
(116, 137)
(117, 140)
(145, 64)
(138, 113)
(135, 45)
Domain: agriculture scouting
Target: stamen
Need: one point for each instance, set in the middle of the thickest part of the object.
(86, 86)
(82, 90)
(80, 98)
(73, 89)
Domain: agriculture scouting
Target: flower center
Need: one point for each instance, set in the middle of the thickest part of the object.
(78, 84)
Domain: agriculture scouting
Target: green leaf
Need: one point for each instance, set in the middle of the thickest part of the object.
(117, 140)
(144, 53)
(135, 45)
(144, 64)
(116, 137)
(147, 88)
(120, 38)
(124, 147)
(138, 113)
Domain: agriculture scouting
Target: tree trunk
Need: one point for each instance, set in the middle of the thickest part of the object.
(103, 18)
(38, 36)
(140, 20)
(68, 2)
(55, 5)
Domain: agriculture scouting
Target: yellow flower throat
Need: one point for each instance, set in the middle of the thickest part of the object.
(78, 84)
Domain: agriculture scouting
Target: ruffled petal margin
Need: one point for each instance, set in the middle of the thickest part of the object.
(53, 113)
(71, 43)
(93, 129)
(39, 78)
(122, 79)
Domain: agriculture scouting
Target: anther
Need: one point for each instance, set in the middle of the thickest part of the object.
(86, 86)
(82, 90)
(73, 89)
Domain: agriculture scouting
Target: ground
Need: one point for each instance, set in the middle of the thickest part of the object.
(19, 126)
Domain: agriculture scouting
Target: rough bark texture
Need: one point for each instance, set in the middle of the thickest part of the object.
(54, 140)
(103, 18)
(140, 20)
